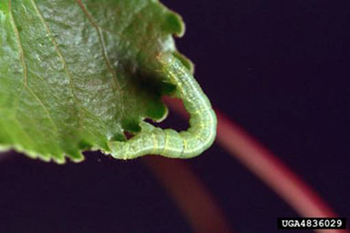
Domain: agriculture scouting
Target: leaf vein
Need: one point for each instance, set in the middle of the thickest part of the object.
(25, 73)
(104, 51)
(65, 66)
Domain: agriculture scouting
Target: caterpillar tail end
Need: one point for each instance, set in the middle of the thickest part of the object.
(119, 150)
(139, 145)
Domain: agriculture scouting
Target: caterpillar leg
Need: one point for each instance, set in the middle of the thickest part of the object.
(168, 142)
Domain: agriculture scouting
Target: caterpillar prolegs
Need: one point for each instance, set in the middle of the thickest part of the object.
(168, 142)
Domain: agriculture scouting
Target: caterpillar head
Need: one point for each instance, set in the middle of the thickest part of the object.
(166, 59)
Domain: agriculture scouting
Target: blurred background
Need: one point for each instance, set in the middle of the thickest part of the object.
(280, 69)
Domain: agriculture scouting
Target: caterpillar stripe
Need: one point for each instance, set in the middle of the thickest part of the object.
(168, 142)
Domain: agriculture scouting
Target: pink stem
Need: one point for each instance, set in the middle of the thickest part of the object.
(265, 165)
(190, 195)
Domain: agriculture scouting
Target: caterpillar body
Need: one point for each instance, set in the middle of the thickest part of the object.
(168, 142)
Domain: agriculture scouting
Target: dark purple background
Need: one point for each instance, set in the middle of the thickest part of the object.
(278, 68)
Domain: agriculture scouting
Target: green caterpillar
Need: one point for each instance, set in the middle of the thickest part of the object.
(168, 142)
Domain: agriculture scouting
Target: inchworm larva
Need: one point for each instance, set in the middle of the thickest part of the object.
(168, 142)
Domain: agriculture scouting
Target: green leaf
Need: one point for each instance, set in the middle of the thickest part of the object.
(75, 75)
